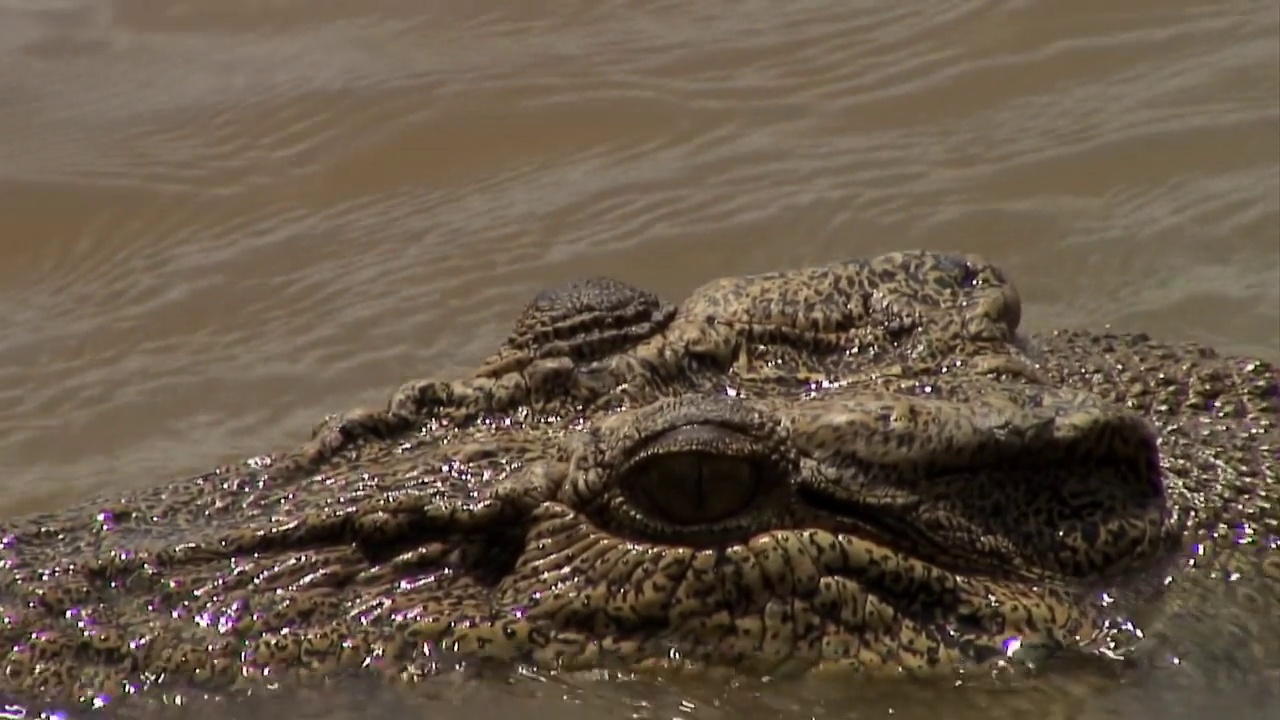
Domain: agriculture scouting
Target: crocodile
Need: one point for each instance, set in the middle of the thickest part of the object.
(861, 467)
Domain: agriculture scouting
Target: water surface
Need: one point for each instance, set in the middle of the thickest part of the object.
(225, 219)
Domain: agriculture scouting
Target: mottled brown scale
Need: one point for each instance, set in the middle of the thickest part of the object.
(859, 466)
(912, 305)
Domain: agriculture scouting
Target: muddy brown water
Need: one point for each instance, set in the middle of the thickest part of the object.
(223, 219)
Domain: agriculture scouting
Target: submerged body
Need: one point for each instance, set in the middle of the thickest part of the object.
(861, 466)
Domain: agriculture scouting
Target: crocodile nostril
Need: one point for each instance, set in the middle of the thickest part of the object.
(965, 273)
(969, 277)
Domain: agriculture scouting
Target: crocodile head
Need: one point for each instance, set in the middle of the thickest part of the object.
(678, 489)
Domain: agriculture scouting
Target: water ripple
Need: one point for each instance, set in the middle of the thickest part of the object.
(225, 219)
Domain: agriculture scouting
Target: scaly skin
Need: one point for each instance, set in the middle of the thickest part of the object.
(860, 466)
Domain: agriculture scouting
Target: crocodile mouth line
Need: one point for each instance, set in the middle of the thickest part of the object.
(850, 518)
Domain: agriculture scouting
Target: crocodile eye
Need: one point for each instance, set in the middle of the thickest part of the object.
(696, 475)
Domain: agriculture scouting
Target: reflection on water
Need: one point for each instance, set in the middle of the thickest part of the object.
(225, 219)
